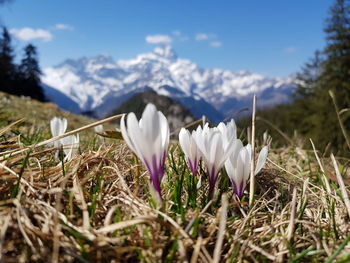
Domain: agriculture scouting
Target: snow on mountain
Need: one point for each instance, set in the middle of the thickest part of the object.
(100, 84)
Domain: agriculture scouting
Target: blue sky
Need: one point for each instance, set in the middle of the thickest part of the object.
(271, 37)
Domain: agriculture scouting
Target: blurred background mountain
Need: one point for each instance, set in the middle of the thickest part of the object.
(178, 115)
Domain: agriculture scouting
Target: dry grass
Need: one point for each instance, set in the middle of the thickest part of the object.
(36, 114)
(97, 208)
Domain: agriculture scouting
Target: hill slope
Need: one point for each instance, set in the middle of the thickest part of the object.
(36, 114)
(177, 115)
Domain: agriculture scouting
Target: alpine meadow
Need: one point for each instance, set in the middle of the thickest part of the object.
(155, 159)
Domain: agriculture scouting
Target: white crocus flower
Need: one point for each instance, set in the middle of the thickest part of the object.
(58, 127)
(189, 146)
(211, 145)
(239, 163)
(70, 146)
(99, 128)
(149, 140)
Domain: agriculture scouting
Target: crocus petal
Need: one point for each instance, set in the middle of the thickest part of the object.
(239, 175)
(70, 146)
(126, 135)
(261, 159)
(249, 150)
(239, 170)
(237, 146)
(63, 125)
(193, 147)
(142, 148)
(216, 150)
(149, 123)
(245, 155)
(227, 152)
(231, 161)
(230, 170)
(200, 141)
(228, 131)
(152, 133)
(54, 126)
(184, 140)
(58, 127)
(164, 130)
(189, 146)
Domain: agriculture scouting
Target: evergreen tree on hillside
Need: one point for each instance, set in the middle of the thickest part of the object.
(7, 67)
(308, 78)
(301, 113)
(335, 76)
(30, 72)
(312, 112)
(337, 65)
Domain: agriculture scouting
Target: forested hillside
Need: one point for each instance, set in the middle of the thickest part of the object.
(320, 109)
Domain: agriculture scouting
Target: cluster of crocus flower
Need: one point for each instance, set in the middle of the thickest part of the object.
(148, 138)
(218, 147)
(69, 144)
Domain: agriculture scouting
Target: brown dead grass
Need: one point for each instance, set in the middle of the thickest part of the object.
(299, 213)
(49, 219)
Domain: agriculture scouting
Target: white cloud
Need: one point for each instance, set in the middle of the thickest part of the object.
(290, 50)
(27, 34)
(204, 36)
(158, 39)
(177, 33)
(215, 44)
(64, 27)
(178, 36)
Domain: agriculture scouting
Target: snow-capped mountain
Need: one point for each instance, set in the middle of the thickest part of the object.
(100, 84)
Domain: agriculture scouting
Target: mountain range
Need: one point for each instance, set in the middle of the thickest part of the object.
(100, 84)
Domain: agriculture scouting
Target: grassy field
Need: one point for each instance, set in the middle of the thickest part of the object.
(98, 208)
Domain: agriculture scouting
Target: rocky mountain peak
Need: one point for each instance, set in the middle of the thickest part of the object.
(166, 51)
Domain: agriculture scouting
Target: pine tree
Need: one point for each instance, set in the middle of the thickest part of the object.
(337, 51)
(309, 76)
(335, 76)
(7, 67)
(30, 74)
